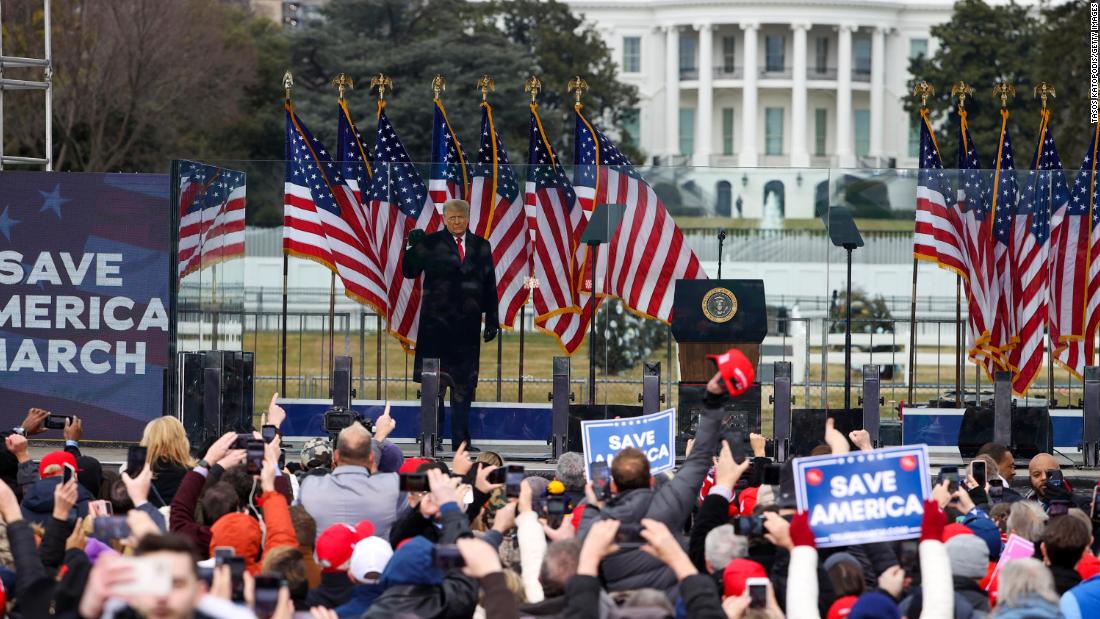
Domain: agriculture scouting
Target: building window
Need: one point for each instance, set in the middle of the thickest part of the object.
(863, 132)
(774, 44)
(821, 55)
(729, 56)
(918, 48)
(820, 127)
(687, 130)
(914, 139)
(688, 69)
(727, 131)
(632, 129)
(632, 54)
(861, 54)
(773, 131)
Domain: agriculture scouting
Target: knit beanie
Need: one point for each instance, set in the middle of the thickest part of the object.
(969, 556)
(874, 605)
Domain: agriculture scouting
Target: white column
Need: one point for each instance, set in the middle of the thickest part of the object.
(672, 90)
(747, 158)
(845, 150)
(704, 110)
(878, 88)
(800, 156)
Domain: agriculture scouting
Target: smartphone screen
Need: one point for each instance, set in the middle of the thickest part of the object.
(951, 474)
(266, 595)
(254, 456)
(152, 576)
(268, 433)
(772, 473)
(1054, 478)
(758, 592)
(977, 471)
(236, 570)
(413, 482)
(512, 480)
(135, 460)
(601, 480)
(107, 528)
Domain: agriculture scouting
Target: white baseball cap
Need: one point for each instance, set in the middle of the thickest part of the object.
(369, 559)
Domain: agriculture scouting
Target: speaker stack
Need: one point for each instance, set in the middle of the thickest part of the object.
(216, 392)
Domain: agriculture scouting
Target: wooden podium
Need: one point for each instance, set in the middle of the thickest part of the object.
(708, 318)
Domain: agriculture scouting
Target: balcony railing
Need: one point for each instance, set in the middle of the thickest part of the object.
(728, 73)
(774, 73)
(861, 75)
(689, 73)
(821, 73)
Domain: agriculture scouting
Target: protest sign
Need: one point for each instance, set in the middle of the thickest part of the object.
(654, 434)
(1015, 548)
(864, 496)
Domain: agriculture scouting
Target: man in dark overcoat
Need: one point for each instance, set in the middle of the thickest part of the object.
(460, 286)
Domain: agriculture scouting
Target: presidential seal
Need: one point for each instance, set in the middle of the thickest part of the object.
(719, 305)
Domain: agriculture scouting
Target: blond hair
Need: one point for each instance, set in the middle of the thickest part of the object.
(166, 441)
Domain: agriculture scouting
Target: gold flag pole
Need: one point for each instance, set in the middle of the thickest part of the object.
(1045, 91)
(439, 84)
(923, 90)
(486, 84)
(343, 82)
(577, 85)
(288, 84)
(380, 83)
(532, 85)
(961, 90)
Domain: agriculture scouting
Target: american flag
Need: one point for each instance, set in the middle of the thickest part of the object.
(212, 202)
(319, 216)
(1001, 300)
(937, 234)
(495, 191)
(647, 253)
(973, 198)
(1044, 191)
(398, 203)
(1075, 244)
(552, 205)
(447, 177)
(353, 156)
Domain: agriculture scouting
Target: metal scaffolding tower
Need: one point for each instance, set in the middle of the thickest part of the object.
(15, 85)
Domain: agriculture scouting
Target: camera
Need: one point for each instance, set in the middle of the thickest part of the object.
(447, 556)
(56, 422)
(556, 508)
(629, 535)
(337, 418)
(751, 527)
(413, 482)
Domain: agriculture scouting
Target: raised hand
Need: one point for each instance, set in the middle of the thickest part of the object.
(276, 415)
(34, 422)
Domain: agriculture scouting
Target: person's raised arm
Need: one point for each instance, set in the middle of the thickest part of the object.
(483, 564)
(715, 509)
(413, 254)
(138, 490)
(937, 587)
(489, 301)
(280, 528)
(583, 590)
(59, 526)
(532, 544)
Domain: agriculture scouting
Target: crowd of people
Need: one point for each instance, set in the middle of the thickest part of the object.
(356, 529)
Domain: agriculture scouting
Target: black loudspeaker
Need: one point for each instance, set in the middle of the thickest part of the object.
(341, 383)
(191, 394)
(216, 391)
(1031, 431)
(588, 412)
(808, 427)
(742, 412)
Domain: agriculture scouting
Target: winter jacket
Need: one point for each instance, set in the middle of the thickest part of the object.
(1065, 578)
(37, 592)
(359, 601)
(713, 514)
(1032, 607)
(1083, 600)
(37, 505)
(350, 494)
(414, 587)
(242, 531)
(670, 504)
(167, 477)
(971, 601)
(334, 591)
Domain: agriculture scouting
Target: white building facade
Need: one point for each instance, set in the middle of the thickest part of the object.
(776, 83)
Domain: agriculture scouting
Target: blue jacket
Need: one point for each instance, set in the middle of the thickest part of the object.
(1031, 608)
(1083, 600)
(362, 596)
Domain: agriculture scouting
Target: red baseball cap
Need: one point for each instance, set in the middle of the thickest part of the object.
(737, 572)
(336, 543)
(56, 458)
(736, 370)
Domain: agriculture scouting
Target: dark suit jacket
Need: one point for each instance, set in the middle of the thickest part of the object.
(455, 295)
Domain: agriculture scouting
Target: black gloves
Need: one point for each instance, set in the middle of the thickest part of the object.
(491, 333)
(415, 236)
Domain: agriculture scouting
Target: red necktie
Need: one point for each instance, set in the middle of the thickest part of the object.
(461, 254)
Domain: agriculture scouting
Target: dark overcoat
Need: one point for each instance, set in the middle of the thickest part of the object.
(455, 295)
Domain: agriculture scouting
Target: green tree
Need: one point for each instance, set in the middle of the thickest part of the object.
(413, 41)
(983, 45)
